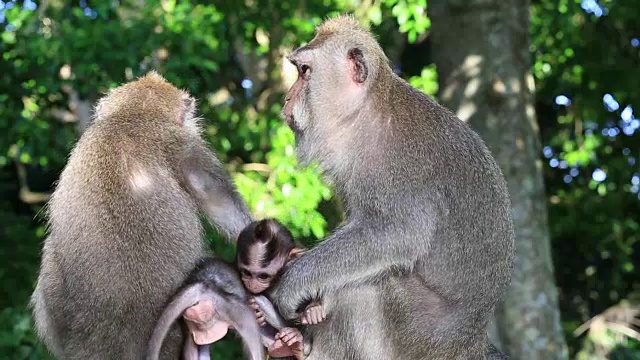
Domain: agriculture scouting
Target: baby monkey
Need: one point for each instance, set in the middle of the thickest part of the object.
(264, 249)
(211, 300)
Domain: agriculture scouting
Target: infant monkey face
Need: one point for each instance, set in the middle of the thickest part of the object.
(256, 282)
(258, 275)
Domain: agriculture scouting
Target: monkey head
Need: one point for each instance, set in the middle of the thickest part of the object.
(151, 99)
(264, 248)
(336, 70)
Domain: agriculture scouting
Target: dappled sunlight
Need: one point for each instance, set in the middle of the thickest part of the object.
(466, 110)
(470, 68)
(594, 7)
(514, 85)
(140, 180)
(472, 87)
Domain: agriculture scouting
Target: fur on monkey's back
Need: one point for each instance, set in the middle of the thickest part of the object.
(116, 211)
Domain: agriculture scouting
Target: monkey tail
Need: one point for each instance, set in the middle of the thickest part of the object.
(179, 303)
(244, 322)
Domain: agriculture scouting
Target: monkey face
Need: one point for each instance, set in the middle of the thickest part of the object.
(258, 278)
(256, 283)
(328, 95)
(295, 102)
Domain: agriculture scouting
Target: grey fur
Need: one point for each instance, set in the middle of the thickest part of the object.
(427, 247)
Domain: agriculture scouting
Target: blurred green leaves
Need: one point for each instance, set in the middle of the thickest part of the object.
(589, 57)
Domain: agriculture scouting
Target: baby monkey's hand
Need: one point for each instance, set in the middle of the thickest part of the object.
(313, 314)
(288, 343)
(260, 318)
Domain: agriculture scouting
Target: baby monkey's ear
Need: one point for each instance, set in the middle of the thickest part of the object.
(296, 253)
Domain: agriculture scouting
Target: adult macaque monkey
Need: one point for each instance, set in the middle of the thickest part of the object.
(124, 230)
(427, 247)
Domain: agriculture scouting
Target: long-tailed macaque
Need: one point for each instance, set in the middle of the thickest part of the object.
(265, 249)
(124, 230)
(426, 250)
(212, 300)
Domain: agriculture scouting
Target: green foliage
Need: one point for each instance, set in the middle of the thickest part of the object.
(21, 235)
(586, 55)
(427, 82)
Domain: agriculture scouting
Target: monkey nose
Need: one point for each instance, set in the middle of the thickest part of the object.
(255, 288)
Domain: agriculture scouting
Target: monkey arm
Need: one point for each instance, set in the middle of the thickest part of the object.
(353, 254)
(215, 193)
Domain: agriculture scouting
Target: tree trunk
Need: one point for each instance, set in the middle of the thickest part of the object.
(481, 49)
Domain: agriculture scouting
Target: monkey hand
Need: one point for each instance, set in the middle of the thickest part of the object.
(293, 289)
(314, 314)
(260, 317)
(288, 343)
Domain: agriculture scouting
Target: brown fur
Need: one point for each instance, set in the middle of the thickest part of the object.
(123, 224)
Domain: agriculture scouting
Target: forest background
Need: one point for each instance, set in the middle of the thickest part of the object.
(550, 85)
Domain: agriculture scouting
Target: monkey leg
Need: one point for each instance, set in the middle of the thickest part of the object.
(203, 352)
(193, 351)
(190, 349)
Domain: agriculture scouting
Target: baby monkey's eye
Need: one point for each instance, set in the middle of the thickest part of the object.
(263, 277)
(245, 273)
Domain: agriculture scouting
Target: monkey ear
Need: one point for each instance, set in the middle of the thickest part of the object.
(187, 109)
(296, 253)
(358, 67)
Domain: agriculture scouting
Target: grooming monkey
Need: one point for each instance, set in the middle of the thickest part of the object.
(124, 230)
(212, 299)
(426, 250)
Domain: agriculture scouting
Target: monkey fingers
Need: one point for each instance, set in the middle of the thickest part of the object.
(260, 317)
(280, 350)
(288, 343)
(290, 336)
(314, 314)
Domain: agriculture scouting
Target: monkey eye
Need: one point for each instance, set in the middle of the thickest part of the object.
(304, 70)
(245, 273)
(263, 276)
